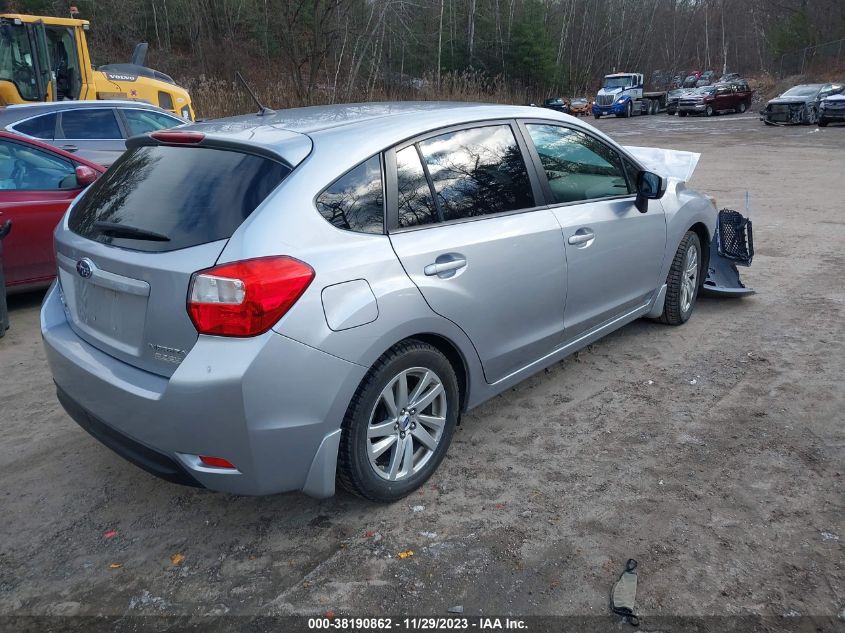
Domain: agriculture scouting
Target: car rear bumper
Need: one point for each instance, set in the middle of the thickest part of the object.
(270, 405)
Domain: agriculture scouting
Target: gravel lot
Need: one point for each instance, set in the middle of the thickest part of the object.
(712, 453)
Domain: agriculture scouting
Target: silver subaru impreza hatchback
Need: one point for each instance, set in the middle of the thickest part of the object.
(278, 302)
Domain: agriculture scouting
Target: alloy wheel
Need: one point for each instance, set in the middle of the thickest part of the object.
(406, 423)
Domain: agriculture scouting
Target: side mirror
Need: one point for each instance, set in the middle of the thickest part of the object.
(650, 186)
(85, 175)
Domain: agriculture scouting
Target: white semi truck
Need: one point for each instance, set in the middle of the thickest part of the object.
(622, 94)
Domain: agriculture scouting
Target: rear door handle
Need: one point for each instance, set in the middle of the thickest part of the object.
(445, 264)
(582, 238)
(70, 148)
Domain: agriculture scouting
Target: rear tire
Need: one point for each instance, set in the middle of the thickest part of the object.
(393, 438)
(683, 281)
(682, 114)
(742, 108)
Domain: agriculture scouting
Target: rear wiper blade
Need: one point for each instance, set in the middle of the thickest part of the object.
(116, 229)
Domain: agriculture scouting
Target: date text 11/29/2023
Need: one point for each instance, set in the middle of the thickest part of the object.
(361, 625)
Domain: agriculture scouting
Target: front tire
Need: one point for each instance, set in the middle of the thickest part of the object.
(742, 108)
(683, 281)
(708, 111)
(399, 424)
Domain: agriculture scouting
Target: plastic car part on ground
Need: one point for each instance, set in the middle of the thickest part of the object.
(623, 597)
(733, 244)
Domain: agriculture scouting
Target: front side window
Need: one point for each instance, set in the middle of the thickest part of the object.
(143, 121)
(355, 201)
(90, 123)
(578, 166)
(43, 127)
(27, 168)
(477, 172)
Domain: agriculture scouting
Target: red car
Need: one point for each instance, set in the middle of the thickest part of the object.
(37, 183)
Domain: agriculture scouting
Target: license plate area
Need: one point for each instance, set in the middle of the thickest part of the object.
(107, 308)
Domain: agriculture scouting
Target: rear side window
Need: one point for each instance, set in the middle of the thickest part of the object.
(43, 127)
(90, 124)
(355, 202)
(174, 197)
(477, 172)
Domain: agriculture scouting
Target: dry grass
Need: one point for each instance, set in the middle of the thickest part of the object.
(215, 97)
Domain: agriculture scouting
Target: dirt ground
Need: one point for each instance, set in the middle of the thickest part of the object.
(712, 453)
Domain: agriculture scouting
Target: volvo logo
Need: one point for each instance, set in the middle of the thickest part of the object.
(85, 268)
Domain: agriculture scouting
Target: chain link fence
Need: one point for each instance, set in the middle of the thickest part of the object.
(819, 58)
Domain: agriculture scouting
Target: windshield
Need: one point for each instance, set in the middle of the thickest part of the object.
(618, 82)
(801, 91)
(705, 90)
(16, 63)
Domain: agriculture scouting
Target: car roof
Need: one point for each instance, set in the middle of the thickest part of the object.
(362, 128)
(17, 112)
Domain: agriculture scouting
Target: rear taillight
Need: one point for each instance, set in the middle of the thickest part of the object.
(246, 298)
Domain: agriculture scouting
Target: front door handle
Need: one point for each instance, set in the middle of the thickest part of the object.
(447, 264)
(582, 236)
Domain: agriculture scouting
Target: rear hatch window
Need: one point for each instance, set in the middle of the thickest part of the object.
(162, 198)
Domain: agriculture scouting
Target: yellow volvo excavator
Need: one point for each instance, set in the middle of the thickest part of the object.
(47, 59)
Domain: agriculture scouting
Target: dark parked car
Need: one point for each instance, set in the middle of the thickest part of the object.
(557, 103)
(708, 77)
(691, 79)
(710, 100)
(798, 105)
(832, 109)
(93, 130)
(729, 77)
(673, 97)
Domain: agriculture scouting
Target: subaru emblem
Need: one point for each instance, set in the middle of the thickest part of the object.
(85, 268)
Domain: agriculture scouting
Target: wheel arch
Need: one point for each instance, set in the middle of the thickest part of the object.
(453, 355)
(704, 238)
